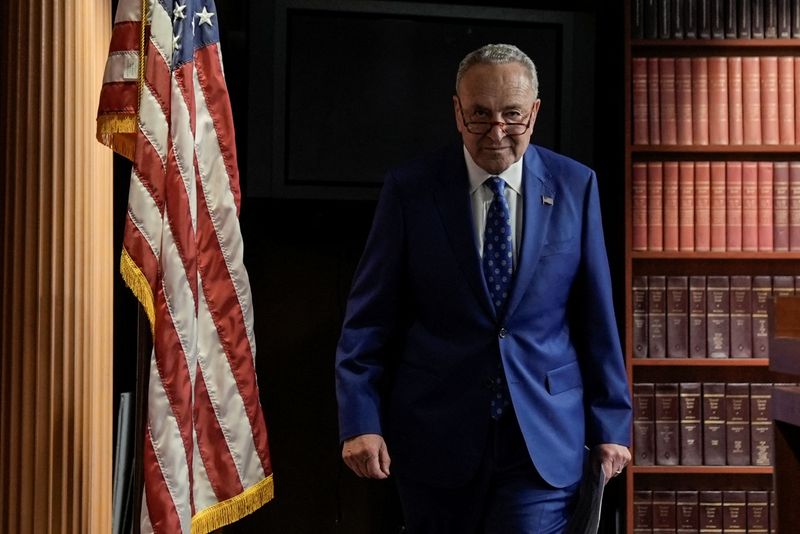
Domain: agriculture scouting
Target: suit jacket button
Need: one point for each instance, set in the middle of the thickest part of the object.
(502, 333)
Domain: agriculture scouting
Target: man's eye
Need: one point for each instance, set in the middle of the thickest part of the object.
(480, 115)
(513, 116)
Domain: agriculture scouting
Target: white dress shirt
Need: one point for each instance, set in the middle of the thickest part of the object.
(482, 197)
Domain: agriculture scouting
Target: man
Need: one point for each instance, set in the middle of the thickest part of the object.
(479, 354)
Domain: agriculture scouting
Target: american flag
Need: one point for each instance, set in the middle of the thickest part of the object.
(164, 104)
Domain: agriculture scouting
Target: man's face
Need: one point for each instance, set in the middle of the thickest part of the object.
(499, 94)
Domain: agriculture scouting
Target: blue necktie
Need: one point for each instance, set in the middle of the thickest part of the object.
(498, 268)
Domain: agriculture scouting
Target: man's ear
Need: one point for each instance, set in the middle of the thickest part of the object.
(535, 111)
(457, 112)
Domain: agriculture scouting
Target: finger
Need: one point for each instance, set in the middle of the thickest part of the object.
(372, 467)
(385, 460)
(608, 468)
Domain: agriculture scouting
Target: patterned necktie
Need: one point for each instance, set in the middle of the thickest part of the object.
(498, 267)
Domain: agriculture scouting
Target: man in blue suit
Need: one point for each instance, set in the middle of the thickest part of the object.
(479, 353)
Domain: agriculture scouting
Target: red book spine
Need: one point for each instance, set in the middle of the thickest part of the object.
(786, 99)
(718, 198)
(751, 100)
(735, 109)
(794, 205)
(655, 206)
(718, 101)
(733, 207)
(770, 129)
(683, 99)
(780, 206)
(765, 180)
(797, 95)
(640, 124)
(749, 206)
(702, 204)
(666, 92)
(671, 206)
(653, 101)
(686, 205)
(700, 100)
(639, 206)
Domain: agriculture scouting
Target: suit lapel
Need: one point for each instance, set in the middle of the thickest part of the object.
(537, 187)
(453, 202)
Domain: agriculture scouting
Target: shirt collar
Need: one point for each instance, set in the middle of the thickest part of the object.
(512, 175)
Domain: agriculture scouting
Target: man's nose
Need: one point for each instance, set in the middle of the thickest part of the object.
(497, 131)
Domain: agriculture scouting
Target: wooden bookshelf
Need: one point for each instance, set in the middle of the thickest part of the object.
(706, 263)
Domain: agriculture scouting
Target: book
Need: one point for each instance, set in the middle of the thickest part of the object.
(751, 100)
(741, 317)
(639, 206)
(765, 182)
(691, 424)
(718, 316)
(795, 19)
(644, 430)
(718, 100)
(757, 512)
(731, 22)
(770, 19)
(773, 513)
(743, 7)
(735, 109)
(640, 105)
(782, 285)
(676, 19)
(761, 431)
(780, 206)
(734, 512)
(637, 19)
(688, 512)
(667, 103)
(653, 101)
(702, 206)
(714, 434)
(686, 205)
(670, 196)
(690, 19)
(677, 317)
(664, 512)
(640, 317)
(697, 317)
(664, 19)
(655, 206)
(733, 206)
(650, 19)
(749, 206)
(786, 114)
(794, 205)
(710, 511)
(656, 317)
(757, 19)
(667, 431)
(770, 127)
(717, 19)
(704, 19)
(683, 99)
(718, 205)
(784, 19)
(700, 100)
(737, 423)
(642, 511)
(762, 289)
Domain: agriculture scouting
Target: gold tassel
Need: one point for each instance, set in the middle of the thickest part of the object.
(226, 512)
(118, 132)
(136, 281)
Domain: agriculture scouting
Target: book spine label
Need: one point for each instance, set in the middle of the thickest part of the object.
(639, 206)
(677, 317)
(697, 317)
(639, 95)
(643, 510)
(780, 206)
(683, 99)
(655, 206)
(751, 100)
(691, 445)
(656, 316)
(765, 182)
(714, 423)
(757, 512)
(640, 317)
(686, 205)
(670, 192)
(794, 205)
(666, 92)
(735, 110)
(700, 100)
(734, 512)
(718, 101)
(783, 285)
(702, 203)
(667, 433)
(718, 204)
(741, 317)
(653, 101)
(644, 444)
(664, 519)
(786, 100)
(688, 511)
(733, 206)
(737, 424)
(750, 206)
(761, 431)
(718, 316)
(770, 124)
(762, 289)
(711, 511)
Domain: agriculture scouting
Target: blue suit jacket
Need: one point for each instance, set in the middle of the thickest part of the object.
(421, 337)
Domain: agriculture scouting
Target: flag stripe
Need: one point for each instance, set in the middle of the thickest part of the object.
(126, 37)
(161, 512)
(119, 97)
(140, 251)
(127, 11)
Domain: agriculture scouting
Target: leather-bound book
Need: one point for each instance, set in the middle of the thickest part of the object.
(651, 19)
(666, 94)
(780, 206)
(639, 206)
(644, 429)
(733, 206)
(734, 512)
(718, 100)
(670, 193)
(700, 100)
(786, 100)
(794, 204)
(690, 19)
(762, 289)
(761, 432)
(642, 512)
(667, 432)
(686, 205)
(783, 285)
(741, 317)
(757, 512)
(714, 423)
(653, 101)
(640, 106)
(656, 317)
(664, 19)
(750, 206)
(743, 8)
(770, 130)
(717, 19)
(735, 110)
(784, 19)
(664, 513)
(655, 206)
(757, 19)
(773, 513)
(796, 15)
(640, 341)
(637, 19)
(676, 19)
(702, 206)
(731, 26)
(697, 317)
(765, 184)
(683, 99)
(770, 19)
(795, 24)
(704, 19)
(691, 423)
(751, 100)
(688, 512)
(737, 423)
(677, 317)
(718, 205)
(711, 512)
(718, 316)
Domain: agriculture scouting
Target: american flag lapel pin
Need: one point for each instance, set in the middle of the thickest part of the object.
(547, 201)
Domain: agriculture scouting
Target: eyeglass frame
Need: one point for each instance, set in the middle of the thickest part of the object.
(504, 125)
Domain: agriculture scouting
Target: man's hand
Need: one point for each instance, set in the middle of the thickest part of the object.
(367, 456)
(612, 457)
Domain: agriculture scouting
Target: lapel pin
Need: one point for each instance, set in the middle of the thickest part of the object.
(547, 201)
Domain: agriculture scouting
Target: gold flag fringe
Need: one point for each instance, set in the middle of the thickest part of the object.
(226, 512)
(118, 132)
(136, 281)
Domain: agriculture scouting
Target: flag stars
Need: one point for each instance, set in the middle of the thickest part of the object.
(179, 12)
(205, 16)
(176, 42)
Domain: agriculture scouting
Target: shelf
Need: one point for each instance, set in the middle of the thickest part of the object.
(715, 149)
(715, 43)
(700, 362)
(685, 255)
(700, 470)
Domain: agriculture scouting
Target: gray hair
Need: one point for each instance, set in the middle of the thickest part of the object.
(498, 54)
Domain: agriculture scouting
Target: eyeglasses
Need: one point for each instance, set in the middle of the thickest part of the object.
(483, 127)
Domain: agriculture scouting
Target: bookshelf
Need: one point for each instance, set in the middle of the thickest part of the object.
(646, 259)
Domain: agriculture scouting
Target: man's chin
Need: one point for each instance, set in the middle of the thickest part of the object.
(495, 165)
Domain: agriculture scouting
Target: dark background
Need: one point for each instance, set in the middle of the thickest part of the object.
(300, 281)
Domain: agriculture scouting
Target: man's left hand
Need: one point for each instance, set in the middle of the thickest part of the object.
(612, 457)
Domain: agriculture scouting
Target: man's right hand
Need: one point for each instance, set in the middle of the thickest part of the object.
(366, 455)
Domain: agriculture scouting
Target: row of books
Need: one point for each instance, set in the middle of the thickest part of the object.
(690, 511)
(716, 206)
(715, 19)
(704, 316)
(748, 100)
(709, 423)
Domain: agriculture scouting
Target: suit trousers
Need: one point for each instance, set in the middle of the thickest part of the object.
(507, 496)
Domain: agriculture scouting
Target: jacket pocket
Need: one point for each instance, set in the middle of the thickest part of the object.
(558, 247)
(563, 378)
